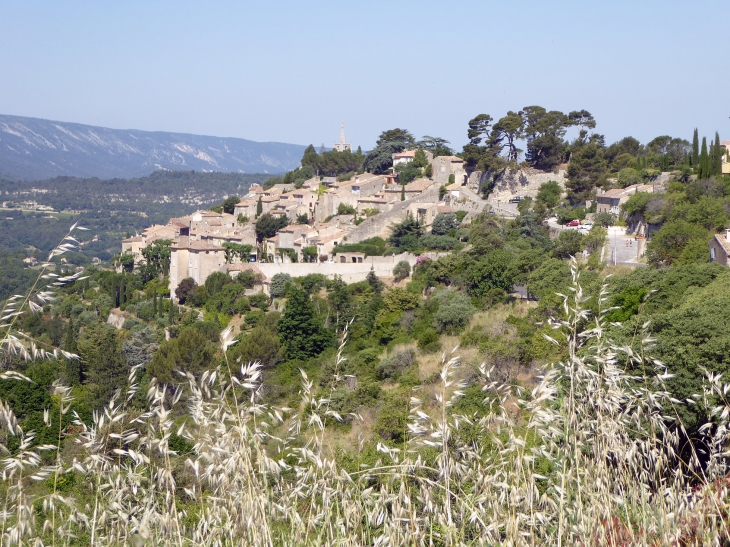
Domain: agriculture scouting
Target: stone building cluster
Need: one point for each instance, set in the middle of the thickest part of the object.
(320, 215)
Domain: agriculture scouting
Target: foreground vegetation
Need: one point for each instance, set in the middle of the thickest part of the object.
(587, 455)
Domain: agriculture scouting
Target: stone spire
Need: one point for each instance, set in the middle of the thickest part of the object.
(342, 145)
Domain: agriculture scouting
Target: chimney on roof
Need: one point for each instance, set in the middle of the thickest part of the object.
(727, 234)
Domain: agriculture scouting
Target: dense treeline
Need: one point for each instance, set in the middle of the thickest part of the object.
(111, 209)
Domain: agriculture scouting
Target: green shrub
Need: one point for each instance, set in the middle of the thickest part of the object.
(279, 284)
(401, 271)
(454, 313)
(428, 341)
(393, 366)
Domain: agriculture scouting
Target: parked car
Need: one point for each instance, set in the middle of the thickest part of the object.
(588, 224)
(573, 223)
(515, 199)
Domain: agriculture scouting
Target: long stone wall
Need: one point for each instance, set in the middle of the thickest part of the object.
(350, 272)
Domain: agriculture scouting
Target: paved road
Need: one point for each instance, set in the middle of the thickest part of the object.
(623, 249)
(504, 209)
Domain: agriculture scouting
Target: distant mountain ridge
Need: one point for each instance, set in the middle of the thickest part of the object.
(34, 148)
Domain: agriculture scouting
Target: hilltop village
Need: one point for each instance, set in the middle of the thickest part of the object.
(310, 221)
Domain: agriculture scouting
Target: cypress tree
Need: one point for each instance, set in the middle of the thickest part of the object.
(154, 304)
(72, 366)
(704, 161)
(717, 156)
(161, 310)
(123, 291)
(694, 158)
(171, 314)
(69, 338)
(259, 208)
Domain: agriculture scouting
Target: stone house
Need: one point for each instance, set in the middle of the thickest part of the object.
(612, 200)
(720, 248)
(195, 259)
(424, 213)
(372, 203)
(725, 157)
(268, 204)
(202, 222)
(135, 245)
(245, 207)
(444, 166)
(412, 190)
(326, 242)
(352, 258)
(407, 157)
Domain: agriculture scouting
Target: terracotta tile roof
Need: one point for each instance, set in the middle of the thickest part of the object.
(419, 185)
(134, 239)
(723, 241)
(200, 246)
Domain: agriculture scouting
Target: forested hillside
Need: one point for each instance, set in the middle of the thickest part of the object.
(109, 208)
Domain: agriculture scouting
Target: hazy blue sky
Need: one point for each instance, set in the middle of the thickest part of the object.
(291, 71)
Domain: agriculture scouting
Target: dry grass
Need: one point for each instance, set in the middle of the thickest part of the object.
(586, 457)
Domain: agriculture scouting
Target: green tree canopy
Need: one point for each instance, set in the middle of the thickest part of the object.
(404, 235)
(156, 259)
(267, 225)
(398, 135)
(300, 331)
(673, 239)
(587, 165)
(491, 272)
(279, 283)
(549, 194)
(444, 223)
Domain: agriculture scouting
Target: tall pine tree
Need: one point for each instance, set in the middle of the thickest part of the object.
(694, 158)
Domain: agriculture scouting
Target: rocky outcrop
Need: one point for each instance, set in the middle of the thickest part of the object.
(116, 318)
(514, 182)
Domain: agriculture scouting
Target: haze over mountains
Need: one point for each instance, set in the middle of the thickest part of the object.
(33, 148)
